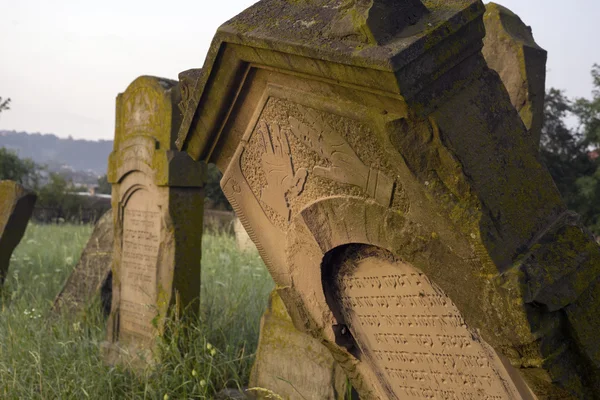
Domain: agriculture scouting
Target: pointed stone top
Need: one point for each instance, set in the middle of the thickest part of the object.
(368, 32)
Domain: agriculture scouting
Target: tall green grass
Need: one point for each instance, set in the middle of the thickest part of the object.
(59, 357)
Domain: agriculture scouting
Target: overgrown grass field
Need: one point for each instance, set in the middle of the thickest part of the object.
(47, 357)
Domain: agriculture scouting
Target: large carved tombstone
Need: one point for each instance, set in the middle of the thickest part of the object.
(389, 185)
(157, 206)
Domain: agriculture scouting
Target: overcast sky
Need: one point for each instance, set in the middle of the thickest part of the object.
(64, 61)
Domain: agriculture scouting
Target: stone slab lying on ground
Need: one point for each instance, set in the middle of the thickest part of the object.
(16, 208)
(291, 363)
(510, 50)
(92, 273)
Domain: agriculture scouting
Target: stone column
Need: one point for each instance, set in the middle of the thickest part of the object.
(392, 190)
(157, 202)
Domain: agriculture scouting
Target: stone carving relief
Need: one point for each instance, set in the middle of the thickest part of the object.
(345, 167)
(276, 161)
(278, 171)
(142, 111)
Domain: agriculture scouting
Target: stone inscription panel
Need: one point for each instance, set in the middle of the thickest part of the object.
(139, 266)
(414, 336)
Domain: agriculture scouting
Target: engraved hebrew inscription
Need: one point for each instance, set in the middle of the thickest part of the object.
(345, 167)
(415, 337)
(141, 241)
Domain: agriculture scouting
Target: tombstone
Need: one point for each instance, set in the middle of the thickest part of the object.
(510, 50)
(157, 204)
(291, 363)
(92, 274)
(244, 243)
(16, 208)
(380, 168)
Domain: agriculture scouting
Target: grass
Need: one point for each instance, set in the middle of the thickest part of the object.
(59, 357)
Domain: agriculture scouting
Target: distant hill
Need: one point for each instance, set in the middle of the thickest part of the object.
(60, 154)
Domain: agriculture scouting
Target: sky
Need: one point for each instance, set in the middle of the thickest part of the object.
(64, 61)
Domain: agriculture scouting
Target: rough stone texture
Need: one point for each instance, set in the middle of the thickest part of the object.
(92, 272)
(286, 356)
(510, 50)
(332, 146)
(16, 207)
(157, 203)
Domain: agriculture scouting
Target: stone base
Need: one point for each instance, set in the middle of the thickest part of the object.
(293, 364)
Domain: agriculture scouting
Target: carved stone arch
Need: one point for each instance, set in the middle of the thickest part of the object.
(334, 238)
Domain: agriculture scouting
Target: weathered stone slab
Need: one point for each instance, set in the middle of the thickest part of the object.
(391, 156)
(16, 208)
(157, 204)
(510, 50)
(291, 363)
(92, 272)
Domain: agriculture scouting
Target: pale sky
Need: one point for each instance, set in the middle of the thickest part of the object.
(64, 61)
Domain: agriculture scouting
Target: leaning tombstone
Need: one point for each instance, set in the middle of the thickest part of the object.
(157, 204)
(16, 208)
(510, 50)
(291, 363)
(379, 166)
(92, 273)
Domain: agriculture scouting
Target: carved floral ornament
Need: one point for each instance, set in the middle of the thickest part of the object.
(285, 182)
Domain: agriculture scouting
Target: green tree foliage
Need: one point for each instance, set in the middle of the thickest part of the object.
(103, 186)
(588, 185)
(4, 104)
(57, 195)
(24, 171)
(570, 154)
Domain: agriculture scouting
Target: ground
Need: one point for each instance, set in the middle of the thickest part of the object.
(45, 357)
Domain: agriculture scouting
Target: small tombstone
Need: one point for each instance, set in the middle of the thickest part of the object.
(510, 50)
(16, 208)
(291, 363)
(92, 274)
(243, 240)
(157, 204)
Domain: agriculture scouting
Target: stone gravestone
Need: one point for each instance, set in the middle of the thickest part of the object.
(16, 208)
(510, 50)
(244, 243)
(291, 363)
(92, 274)
(379, 166)
(157, 204)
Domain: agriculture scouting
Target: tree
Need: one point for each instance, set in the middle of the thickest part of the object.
(573, 155)
(563, 151)
(24, 171)
(103, 186)
(56, 195)
(588, 185)
(4, 105)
